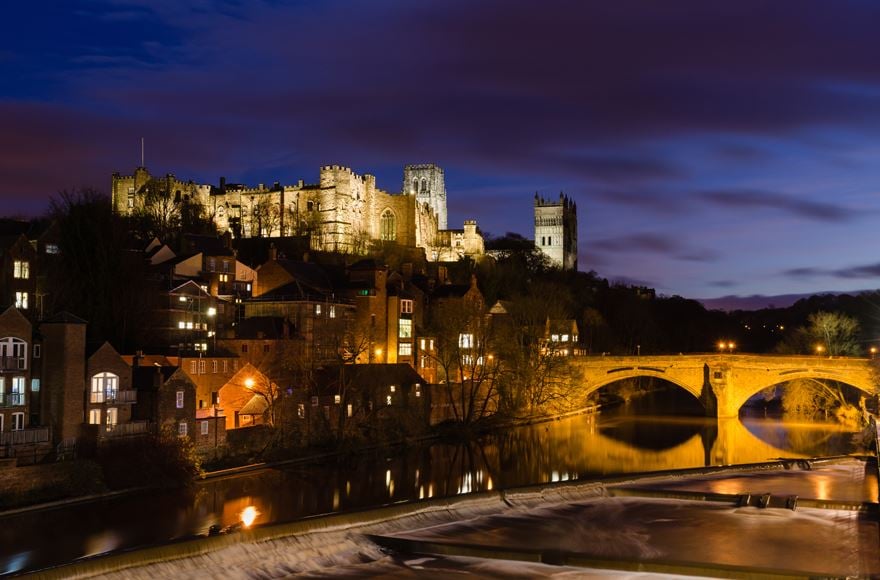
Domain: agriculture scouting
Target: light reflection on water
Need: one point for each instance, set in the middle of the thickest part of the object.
(575, 448)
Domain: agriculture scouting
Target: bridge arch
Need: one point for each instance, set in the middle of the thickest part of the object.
(622, 374)
(743, 394)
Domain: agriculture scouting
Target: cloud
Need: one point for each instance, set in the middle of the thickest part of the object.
(753, 199)
(724, 283)
(865, 271)
(654, 243)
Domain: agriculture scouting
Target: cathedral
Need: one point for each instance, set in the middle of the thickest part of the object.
(342, 212)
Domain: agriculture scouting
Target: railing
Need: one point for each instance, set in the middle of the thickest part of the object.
(13, 363)
(113, 397)
(25, 436)
(126, 429)
(12, 400)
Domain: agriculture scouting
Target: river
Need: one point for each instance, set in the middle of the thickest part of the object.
(579, 447)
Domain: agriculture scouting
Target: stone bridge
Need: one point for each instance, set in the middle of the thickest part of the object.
(723, 382)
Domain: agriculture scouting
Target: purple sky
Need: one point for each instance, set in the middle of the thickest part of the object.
(712, 148)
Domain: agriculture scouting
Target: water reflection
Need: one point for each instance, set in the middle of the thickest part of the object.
(576, 448)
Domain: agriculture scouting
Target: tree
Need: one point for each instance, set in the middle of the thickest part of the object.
(467, 361)
(836, 332)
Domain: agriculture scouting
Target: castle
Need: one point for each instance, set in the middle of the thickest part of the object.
(342, 212)
(556, 230)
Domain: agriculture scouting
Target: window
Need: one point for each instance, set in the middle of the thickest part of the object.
(337, 399)
(193, 367)
(244, 348)
(179, 401)
(212, 264)
(13, 354)
(405, 328)
(422, 344)
(418, 388)
(37, 350)
(267, 347)
(388, 400)
(392, 388)
(332, 312)
(17, 395)
(110, 420)
(564, 338)
(17, 421)
(130, 202)
(181, 325)
(204, 427)
(549, 240)
(181, 429)
(21, 269)
(554, 338)
(35, 385)
(225, 366)
(406, 306)
(301, 411)
(388, 226)
(203, 366)
(214, 365)
(21, 300)
(105, 387)
(52, 248)
(94, 416)
(464, 341)
(404, 349)
(431, 345)
(226, 266)
(314, 401)
(349, 410)
(317, 309)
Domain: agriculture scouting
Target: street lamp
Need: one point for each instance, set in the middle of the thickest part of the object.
(873, 350)
(820, 349)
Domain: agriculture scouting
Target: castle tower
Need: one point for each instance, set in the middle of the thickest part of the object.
(425, 181)
(556, 230)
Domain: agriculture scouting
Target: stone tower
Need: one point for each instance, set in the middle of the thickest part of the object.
(556, 230)
(425, 181)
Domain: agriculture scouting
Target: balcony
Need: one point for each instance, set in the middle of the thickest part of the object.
(126, 429)
(13, 363)
(25, 436)
(113, 397)
(12, 400)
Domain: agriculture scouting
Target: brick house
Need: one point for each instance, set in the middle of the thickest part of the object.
(110, 395)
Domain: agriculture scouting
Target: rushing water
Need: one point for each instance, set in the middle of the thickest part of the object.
(579, 447)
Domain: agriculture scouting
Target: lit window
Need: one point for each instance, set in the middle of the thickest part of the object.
(21, 269)
(193, 367)
(203, 367)
(17, 421)
(94, 416)
(189, 325)
(181, 324)
(317, 309)
(248, 287)
(388, 226)
(404, 349)
(181, 428)
(179, 399)
(388, 400)
(555, 338)
(21, 300)
(337, 399)
(204, 427)
(564, 338)
(105, 387)
(332, 312)
(35, 385)
(52, 248)
(349, 410)
(422, 344)
(464, 341)
(301, 411)
(405, 327)
(574, 338)
(110, 420)
(418, 390)
(17, 395)
(392, 388)
(406, 306)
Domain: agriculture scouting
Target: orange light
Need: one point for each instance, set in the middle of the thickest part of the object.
(249, 383)
(249, 516)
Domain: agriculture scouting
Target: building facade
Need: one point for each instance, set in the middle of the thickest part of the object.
(556, 230)
(342, 212)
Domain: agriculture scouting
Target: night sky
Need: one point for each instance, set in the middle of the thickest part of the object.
(712, 148)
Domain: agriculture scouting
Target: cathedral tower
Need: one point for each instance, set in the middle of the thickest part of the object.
(556, 230)
(425, 181)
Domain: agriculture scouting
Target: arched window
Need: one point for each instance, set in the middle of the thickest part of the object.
(388, 223)
(415, 186)
(105, 387)
(424, 185)
(13, 354)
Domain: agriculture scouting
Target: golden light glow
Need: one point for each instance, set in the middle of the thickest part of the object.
(249, 383)
(820, 348)
(249, 516)
(378, 352)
